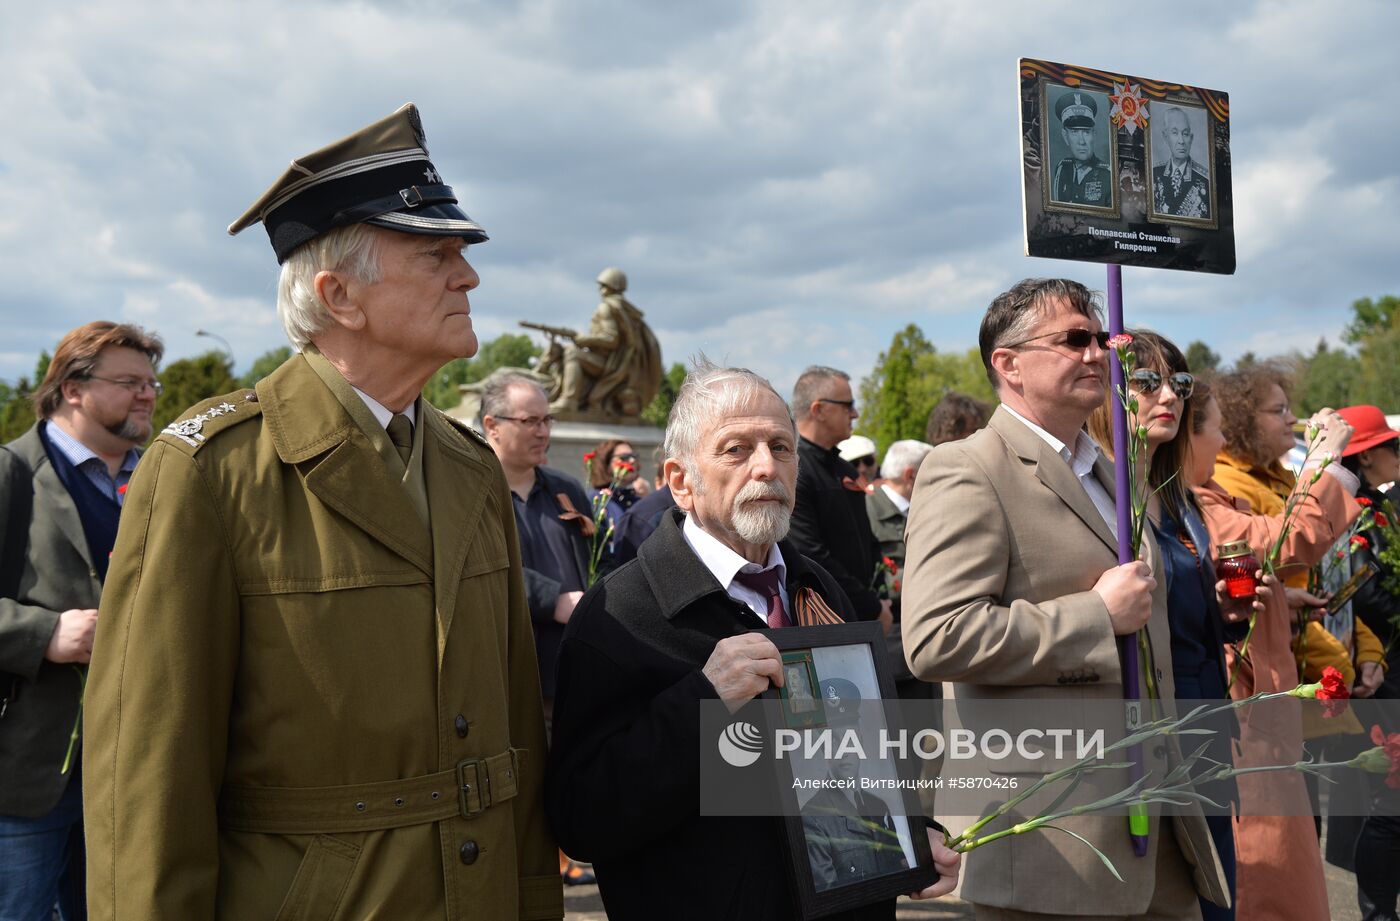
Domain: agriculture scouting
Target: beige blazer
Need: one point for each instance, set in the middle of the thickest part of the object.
(1003, 549)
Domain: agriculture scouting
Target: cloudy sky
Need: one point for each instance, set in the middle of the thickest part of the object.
(783, 182)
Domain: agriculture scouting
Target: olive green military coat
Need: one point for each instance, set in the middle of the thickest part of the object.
(301, 705)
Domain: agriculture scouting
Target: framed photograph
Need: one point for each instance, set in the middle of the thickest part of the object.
(855, 833)
(1082, 151)
(1182, 164)
(1125, 170)
(800, 693)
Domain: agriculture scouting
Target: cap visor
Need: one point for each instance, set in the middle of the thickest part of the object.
(437, 220)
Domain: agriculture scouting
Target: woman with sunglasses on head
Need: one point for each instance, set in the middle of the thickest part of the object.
(1162, 387)
(1278, 862)
(612, 474)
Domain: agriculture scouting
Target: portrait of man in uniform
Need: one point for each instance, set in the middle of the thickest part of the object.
(1079, 142)
(1178, 139)
(850, 834)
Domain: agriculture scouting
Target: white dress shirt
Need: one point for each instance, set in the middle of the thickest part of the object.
(1081, 461)
(383, 414)
(724, 563)
(899, 501)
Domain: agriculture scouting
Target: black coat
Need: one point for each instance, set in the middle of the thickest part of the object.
(623, 787)
(542, 590)
(830, 525)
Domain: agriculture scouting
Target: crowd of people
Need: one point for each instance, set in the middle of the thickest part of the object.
(321, 651)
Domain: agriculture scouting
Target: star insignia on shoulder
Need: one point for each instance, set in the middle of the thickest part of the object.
(189, 430)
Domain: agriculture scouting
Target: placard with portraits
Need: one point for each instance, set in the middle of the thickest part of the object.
(1124, 169)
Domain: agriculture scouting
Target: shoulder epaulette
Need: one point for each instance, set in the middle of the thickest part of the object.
(204, 420)
(467, 430)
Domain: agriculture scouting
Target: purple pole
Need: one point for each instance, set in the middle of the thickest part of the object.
(1127, 645)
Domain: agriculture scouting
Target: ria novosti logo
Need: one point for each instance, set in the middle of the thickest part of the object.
(741, 744)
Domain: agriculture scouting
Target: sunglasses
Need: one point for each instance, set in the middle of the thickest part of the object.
(1145, 380)
(1078, 338)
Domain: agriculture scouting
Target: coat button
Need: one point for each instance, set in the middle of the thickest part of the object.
(461, 723)
(469, 852)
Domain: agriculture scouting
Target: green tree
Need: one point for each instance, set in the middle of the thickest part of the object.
(508, 350)
(1201, 357)
(1380, 371)
(1328, 377)
(1371, 318)
(264, 365)
(17, 402)
(190, 380)
(659, 411)
(909, 380)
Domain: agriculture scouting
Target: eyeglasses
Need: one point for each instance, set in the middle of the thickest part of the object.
(530, 422)
(1280, 411)
(629, 457)
(866, 461)
(1078, 338)
(1145, 380)
(849, 404)
(129, 383)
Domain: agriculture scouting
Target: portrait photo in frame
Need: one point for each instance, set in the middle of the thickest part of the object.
(1181, 164)
(856, 834)
(801, 693)
(1081, 147)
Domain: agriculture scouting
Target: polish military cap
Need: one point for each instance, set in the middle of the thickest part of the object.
(1076, 110)
(379, 175)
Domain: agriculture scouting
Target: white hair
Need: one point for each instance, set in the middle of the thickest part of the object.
(352, 250)
(901, 456)
(708, 394)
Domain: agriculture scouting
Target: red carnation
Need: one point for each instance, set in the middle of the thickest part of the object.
(588, 458)
(1390, 744)
(1120, 341)
(1381, 520)
(1358, 542)
(121, 490)
(1363, 501)
(1333, 693)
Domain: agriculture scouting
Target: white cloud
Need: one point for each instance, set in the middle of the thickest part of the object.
(785, 183)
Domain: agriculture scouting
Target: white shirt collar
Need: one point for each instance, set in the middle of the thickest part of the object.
(899, 501)
(1081, 459)
(724, 563)
(381, 413)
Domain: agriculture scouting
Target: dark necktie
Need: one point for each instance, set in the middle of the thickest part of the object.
(401, 434)
(766, 584)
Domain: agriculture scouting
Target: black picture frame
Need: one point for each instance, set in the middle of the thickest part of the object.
(854, 652)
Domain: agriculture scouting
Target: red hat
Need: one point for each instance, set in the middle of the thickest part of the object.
(1369, 428)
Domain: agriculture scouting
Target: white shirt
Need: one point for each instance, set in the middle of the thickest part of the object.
(1081, 461)
(381, 413)
(724, 563)
(899, 501)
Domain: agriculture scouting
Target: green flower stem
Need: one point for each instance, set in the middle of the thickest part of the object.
(77, 723)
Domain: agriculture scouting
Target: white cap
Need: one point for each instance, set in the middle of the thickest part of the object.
(856, 446)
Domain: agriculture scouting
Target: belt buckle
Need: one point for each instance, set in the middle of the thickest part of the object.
(480, 776)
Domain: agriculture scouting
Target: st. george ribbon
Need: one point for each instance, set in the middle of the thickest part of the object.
(1127, 645)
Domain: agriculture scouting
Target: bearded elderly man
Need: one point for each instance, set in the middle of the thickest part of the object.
(673, 628)
(314, 691)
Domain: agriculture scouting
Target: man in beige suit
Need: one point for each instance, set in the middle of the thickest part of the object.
(1012, 590)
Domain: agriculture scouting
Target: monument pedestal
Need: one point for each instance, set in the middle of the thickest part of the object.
(571, 440)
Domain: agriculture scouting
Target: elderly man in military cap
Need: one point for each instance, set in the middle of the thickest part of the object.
(314, 691)
(1081, 178)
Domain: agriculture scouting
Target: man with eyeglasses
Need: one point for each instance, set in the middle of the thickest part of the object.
(552, 520)
(829, 522)
(1012, 590)
(62, 486)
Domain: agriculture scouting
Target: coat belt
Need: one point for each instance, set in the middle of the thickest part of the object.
(467, 790)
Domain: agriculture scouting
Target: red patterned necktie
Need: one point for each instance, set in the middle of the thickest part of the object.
(766, 584)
